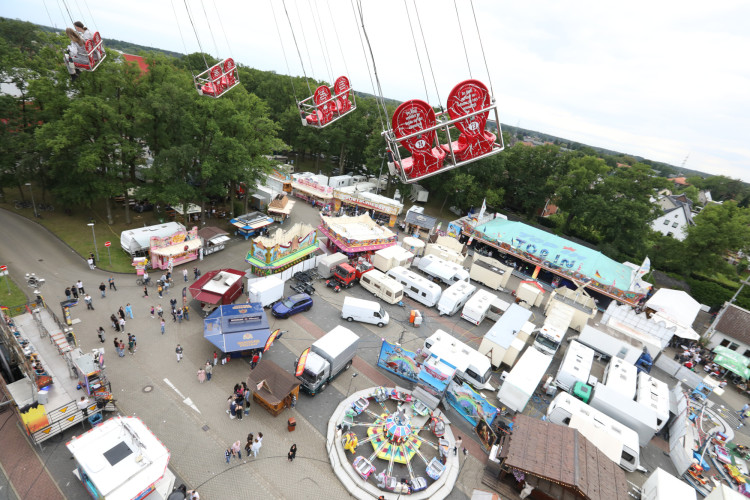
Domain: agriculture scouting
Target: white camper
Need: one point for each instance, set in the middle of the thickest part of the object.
(266, 290)
(390, 257)
(628, 412)
(621, 376)
(365, 311)
(442, 270)
(417, 287)
(575, 367)
(610, 343)
(137, 242)
(490, 272)
(446, 253)
(382, 286)
(661, 485)
(483, 304)
(454, 298)
(507, 337)
(472, 367)
(523, 379)
(654, 393)
(617, 441)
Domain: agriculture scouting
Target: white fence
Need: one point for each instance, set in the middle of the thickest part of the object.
(305, 265)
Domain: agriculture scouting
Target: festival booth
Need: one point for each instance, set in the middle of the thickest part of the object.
(237, 329)
(273, 387)
(250, 224)
(121, 459)
(283, 250)
(280, 208)
(135, 242)
(193, 212)
(180, 248)
(213, 238)
(356, 235)
(383, 208)
(218, 287)
(312, 192)
(676, 309)
(562, 257)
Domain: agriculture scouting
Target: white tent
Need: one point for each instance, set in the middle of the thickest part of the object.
(675, 308)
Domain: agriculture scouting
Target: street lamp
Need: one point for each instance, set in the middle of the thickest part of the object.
(350, 384)
(91, 224)
(380, 172)
(36, 214)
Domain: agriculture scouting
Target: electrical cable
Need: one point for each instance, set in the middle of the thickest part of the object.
(68, 10)
(205, 14)
(463, 41)
(294, 37)
(416, 49)
(181, 37)
(91, 17)
(62, 14)
(195, 32)
(338, 41)
(374, 67)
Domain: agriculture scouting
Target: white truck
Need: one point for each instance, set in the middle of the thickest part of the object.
(328, 262)
(575, 367)
(610, 343)
(483, 304)
(266, 290)
(472, 367)
(552, 333)
(387, 258)
(442, 270)
(519, 385)
(628, 412)
(506, 339)
(454, 298)
(490, 272)
(330, 355)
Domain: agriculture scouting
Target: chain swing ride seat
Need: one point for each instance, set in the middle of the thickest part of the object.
(327, 104)
(470, 99)
(217, 80)
(415, 128)
(94, 52)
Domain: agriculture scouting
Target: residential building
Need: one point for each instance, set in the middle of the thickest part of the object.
(676, 218)
(731, 329)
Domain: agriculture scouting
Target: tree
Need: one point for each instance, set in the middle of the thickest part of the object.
(718, 229)
(579, 181)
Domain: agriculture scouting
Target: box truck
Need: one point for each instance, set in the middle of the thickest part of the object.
(628, 412)
(519, 385)
(364, 311)
(454, 298)
(615, 440)
(582, 304)
(506, 339)
(390, 257)
(266, 290)
(417, 287)
(328, 262)
(483, 304)
(654, 393)
(575, 367)
(555, 326)
(383, 287)
(609, 343)
(490, 272)
(330, 355)
(471, 367)
(441, 270)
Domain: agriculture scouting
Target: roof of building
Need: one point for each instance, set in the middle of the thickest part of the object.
(420, 220)
(277, 382)
(209, 232)
(680, 180)
(561, 455)
(138, 60)
(735, 323)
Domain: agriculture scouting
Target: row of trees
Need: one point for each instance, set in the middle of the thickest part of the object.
(87, 141)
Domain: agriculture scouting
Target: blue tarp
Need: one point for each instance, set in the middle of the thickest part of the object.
(237, 327)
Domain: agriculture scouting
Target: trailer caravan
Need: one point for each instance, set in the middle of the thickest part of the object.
(506, 339)
(609, 343)
(575, 367)
(661, 485)
(490, 272)
(621, 376)
(137, 242)
(383, 287)
(472, 367)
(483, 304)
(523, 379)
(417, 287)
(453, 299)
(390, 257)
(442, 270)
(654, 394)
(628, 412)
(603, 431)
(581, 303)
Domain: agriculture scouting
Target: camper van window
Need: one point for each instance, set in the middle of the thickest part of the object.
(376, 314)
(424, 294)
(566, 420)
(414, 289)
(470, 373)
(622, 353)
(628, 457)
(388, 293)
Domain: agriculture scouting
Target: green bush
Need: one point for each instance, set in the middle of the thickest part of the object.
(709, 293)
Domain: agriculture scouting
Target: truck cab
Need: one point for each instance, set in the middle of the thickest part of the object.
(328, 357)
(348, 274)
(553, 331)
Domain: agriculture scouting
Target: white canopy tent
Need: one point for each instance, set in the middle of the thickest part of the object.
(675, 308)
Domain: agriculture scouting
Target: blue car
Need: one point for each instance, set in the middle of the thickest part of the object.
(292, 305)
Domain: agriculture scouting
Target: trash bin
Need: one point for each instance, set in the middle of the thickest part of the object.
(291, 424)
(95, 419)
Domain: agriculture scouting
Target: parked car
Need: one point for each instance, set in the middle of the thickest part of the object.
(292, 305)
(143, 206)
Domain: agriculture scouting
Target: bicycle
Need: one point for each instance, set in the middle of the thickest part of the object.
(19, 204)
(140, 282)
(45, 207)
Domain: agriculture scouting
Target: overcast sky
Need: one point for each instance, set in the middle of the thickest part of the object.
(659, 79)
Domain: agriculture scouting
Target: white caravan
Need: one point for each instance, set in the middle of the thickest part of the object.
(472, 367)
(383, 287)
(417, 287)
(575, 367)
(454, 298)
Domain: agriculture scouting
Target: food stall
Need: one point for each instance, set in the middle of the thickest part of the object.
(91, 376)
(381, 207)
(312, 192)
(179, 248)
(277, 253)
(237, 329)
(121, 459)
(250, 224)
(356, 235)
(273, 387)
(217, 287)
(280, 208)
(213, 238)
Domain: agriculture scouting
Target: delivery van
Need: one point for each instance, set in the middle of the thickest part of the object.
(454, 298)
(382, 286)
(417, 287)
(366, 311)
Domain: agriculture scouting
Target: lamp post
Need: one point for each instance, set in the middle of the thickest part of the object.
(380, 172)
(350, 384)
(91, 224)
(33, 203)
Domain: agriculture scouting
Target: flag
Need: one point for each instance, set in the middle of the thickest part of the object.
(645, 268)
(484, 207)
(301, 362)
(596, 273)
(270, 340)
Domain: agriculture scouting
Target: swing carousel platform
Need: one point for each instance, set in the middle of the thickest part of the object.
(350, 475)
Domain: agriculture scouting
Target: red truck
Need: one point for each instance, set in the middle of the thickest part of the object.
(346, 275)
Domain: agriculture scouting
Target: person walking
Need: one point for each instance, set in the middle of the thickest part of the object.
(209, 370)
(152, 312)
(216, 358)
(237, 449)
(159, 290)
(74, 291)
(111, 281)
(232, 410)
(185, 274)
(201, 375)
(173, 303)
(254, 362)
(117, 345)
(131, 344)
(196, 273)
(292, 453)
(179, 315)
(145, 291)
(135, 344)
(178, 351)
(89, 302)
(121, 351)
(129, 310)
(103, 289)
(121, 312)
(255, 447)
(67, 293)
(228, 454)
(100, 333)
(79, 286)
(121, 323)
(240, 407)
(159, 311)
(457, 446)
(162, 328)
(174, 315)
(186, 312)
(249, 444)
(91, 263)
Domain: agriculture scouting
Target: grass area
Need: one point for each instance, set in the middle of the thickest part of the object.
(16, 296)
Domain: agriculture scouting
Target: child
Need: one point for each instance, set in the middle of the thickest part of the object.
(228, 454)
(152, 312)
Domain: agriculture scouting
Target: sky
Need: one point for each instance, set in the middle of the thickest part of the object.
(664, 80)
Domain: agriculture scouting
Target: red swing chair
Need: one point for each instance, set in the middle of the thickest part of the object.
(327, 104)
(217, 80)
(95, 53)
